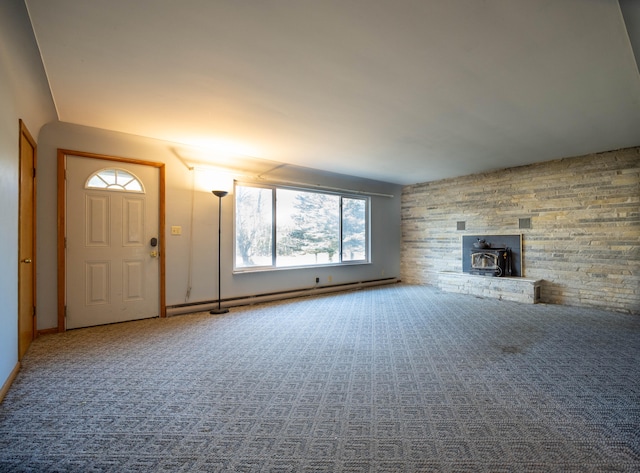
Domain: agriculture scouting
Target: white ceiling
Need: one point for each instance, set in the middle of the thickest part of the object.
(396, 90)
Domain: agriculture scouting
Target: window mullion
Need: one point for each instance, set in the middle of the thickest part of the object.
(274, 233)
(340, 230)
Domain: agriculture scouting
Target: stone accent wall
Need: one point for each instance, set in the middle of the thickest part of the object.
(584, 240)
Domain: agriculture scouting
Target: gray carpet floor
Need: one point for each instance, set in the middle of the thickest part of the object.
(393, 379)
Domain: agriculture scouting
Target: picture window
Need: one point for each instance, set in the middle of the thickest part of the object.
(279, 227)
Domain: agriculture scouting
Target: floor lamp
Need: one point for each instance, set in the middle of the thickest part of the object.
(219, 195)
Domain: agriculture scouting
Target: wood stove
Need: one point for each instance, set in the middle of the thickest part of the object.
(492, 255)
(490, 261)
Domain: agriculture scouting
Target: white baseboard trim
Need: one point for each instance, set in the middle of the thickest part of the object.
(259, 298)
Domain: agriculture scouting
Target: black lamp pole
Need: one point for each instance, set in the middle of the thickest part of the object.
(220, 195)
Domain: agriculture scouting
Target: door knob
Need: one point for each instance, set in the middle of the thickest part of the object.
(154, 254)
(27, 260)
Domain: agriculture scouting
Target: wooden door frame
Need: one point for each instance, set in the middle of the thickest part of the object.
(24, 133)
(62, 207)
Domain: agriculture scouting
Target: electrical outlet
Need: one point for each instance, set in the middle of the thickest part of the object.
(317, 280)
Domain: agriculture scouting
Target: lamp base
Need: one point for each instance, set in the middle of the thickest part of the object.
(222, 310)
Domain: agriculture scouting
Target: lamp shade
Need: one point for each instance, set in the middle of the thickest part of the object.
(212, 179)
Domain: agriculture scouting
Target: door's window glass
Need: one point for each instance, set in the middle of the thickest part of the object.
(114, 180)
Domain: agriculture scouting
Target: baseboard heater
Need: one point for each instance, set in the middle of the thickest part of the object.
(274, 296)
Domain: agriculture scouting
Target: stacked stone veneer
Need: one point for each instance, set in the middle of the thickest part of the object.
(584, 240)
(510, 289)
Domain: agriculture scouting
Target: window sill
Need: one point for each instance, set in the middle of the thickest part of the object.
(265, 269)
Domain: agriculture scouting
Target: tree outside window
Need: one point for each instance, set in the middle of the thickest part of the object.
(308, 228)
(354, 234)
(254, 226)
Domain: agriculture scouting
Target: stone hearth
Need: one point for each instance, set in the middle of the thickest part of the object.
(514, 289)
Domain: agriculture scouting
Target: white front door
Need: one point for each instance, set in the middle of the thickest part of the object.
(112, 233)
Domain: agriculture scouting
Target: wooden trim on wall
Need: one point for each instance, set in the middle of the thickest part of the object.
(162, 244)
(47, 331)
(24, 133)
(62, 153)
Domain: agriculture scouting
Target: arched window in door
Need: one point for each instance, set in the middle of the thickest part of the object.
(114, 179)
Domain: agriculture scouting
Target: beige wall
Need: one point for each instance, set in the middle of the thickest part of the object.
(196, 281)
(584, 240)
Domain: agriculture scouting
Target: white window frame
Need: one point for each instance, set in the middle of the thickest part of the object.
(274, 244)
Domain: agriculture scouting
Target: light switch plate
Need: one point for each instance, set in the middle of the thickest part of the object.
(176, 230)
